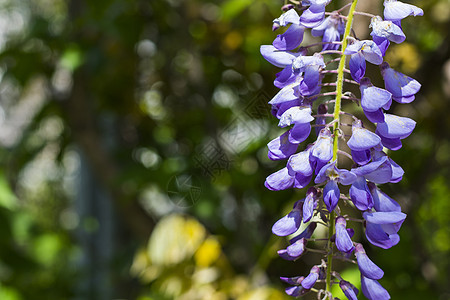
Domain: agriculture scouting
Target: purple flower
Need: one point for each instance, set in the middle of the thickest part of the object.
(310, 204)
(289, 223)
(296, 280)
(378, 171)
(290, 39)
(296, 115)
(365, 265)
(311, 279)
(331, 195)
(373, 290)
(299, 163)
(373, 98)
(359, 52)
(331, 191)
(289, 17)
(396, 10)
(393, 130)
(387, 30)
(281, 148)
(382, 43)
(395, 127)
(296, 290)
(382, 228)
(293, 251)
(360, 194)
(361, 157)
(349, 290)
(402, 87)
(362, 139)
(397, 171)
(331, 29)
(281, 59)
(285, 95)
(343, 240)
(322, 150)
(280, 180)
(382, 202)
(314, 15)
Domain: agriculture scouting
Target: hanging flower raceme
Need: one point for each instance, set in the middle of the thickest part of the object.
(303, 102)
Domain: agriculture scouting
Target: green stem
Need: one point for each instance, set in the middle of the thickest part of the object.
(336, 116)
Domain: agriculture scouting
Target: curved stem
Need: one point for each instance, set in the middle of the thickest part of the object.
(337, 113)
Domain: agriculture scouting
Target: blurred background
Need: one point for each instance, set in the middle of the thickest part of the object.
(133, 152)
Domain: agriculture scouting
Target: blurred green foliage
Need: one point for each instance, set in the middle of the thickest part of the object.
(165, 101)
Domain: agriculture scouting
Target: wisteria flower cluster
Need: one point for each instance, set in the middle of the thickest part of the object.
(303, 90)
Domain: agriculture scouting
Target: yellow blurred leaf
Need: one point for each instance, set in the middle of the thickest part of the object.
(175, 239)
(208, 252)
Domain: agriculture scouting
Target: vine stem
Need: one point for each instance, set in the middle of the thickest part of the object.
(336, 116)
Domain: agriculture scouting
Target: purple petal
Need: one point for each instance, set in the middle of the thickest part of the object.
(299, 133)
(291, 39)
(397, 172)
(372, 52)
(361, 157)
(284, 95)
(396, 10)
(281, 148)
(311, 279)
(383, 202)
(289, 17)
(396, 127)
(360, 194)
(322, 173)
(373, 290)
(295, 291)
(378, 237)
(288, 224)
(285, 77)
(313, 16)
(379, 171)
(349, 290)
(299, 163)
(376, 116)
(297, 248)
(323, 148)
(279, 180)
(301, 181)
(366, 266)
(343, 240)
(387, 29)
(392, 144)
(296, 115)
(357, 66)
(373, 98)
(284, 255)
(381, 218)
(362, 139)
(293, 280)
(382, 43)
(309, 205)
(276, 57)
(331, 34)
(345, 177)
(402, 87)
(331, 195)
